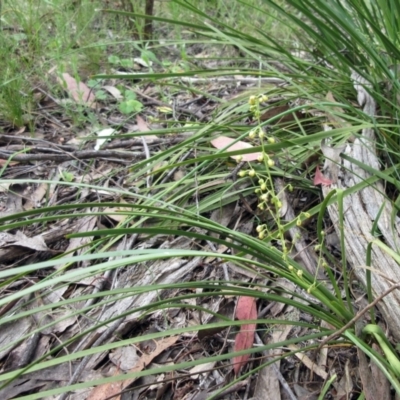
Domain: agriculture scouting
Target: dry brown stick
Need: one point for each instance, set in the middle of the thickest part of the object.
(148, 23)
(80, 155)
(196, 114)
(358, 316)
(115, 143)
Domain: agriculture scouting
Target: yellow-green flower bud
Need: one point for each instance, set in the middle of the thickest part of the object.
(242, 173)
(299, 273)
(252, 173)
(260, 158)
(270, 163)
(252, 100)
(259, 228)
(263, 187)
(271, 140)
(252, 134)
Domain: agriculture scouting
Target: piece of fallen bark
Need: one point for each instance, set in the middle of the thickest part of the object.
(365, 209)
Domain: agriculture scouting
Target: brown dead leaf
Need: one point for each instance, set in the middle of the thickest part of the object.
(125, 357)
(285, 119)
(334, 119)
(78, 90)
(319, 178)
(34, 200)
(223, 216)
(114, 388)
(111, 212)
(311, 365)
(13, 203)
(87, 224)
(143, 127)
(246, 309)
(115, 92)
(222, 142)
(7, 162)
(19, 239)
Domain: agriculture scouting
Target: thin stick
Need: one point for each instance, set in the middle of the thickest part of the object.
(358, 316)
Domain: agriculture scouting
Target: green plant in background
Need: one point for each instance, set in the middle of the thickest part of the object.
(130, 104)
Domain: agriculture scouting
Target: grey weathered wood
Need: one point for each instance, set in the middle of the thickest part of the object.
(360, 211)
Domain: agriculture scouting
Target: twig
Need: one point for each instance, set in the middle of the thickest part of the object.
(149, 178)
(234, 388)
(80, 155)
(225, 79)
(115, 144)
(358, 316)
(148, 22)
(278, 373)
(162, 104)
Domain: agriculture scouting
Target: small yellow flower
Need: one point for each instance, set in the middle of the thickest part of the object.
(261, 134)
(263, 187)
(260, 181)
(261, 235)
(252, 134)
(252, 100)
(290, 267)
(264, 197)
(242, 174)
(259, 228)
(260, 158)
(270, 163)
(299, 273)
(252, 173)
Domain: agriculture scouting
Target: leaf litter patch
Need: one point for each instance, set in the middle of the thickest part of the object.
(68, 154)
